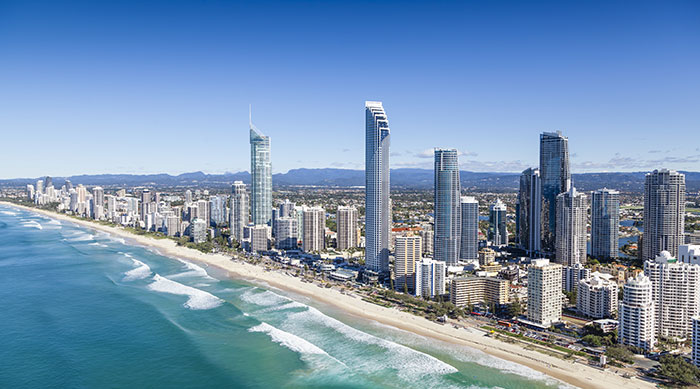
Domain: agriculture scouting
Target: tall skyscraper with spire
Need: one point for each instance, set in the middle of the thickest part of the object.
(377, 207)
(555, 176)
(260, 177)
(448, 228)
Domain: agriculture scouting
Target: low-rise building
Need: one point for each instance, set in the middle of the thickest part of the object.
(475, 290)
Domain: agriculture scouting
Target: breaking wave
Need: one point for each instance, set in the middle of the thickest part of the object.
(198, 299)
(140, 272)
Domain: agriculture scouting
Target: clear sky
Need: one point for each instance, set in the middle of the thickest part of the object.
(152, 87)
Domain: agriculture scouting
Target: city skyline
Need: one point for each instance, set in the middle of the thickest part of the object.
(131, 90)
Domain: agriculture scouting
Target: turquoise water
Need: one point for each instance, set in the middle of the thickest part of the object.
(82, 309)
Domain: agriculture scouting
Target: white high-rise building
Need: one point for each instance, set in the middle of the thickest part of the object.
(198, 230)
(377, 207)
(571, 275)
(238, 210)
(428, 238)
(260, 237)
(314, 229)
(217, 210)
(469, 244)
(498, 224)
(407, 253)
(664, 213)
(597, 296)
(544, 295)
(98, 195)
(695, 352)
(172, 225)
(30, 191)
(676, 294)
(636, 314)
(287, 235)
(689, 253)
(261, 177)
(346, 223)
(572, 228)
(605, 223)
(430, 278)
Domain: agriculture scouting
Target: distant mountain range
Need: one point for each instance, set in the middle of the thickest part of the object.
(400, 178)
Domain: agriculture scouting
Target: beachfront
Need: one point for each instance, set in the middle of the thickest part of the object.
(572, 373)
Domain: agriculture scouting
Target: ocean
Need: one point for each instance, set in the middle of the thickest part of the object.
(83, 309)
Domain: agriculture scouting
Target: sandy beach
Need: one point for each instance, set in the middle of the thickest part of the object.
(575, 374)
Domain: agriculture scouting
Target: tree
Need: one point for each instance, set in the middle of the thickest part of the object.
(391, 283)
(677, 369)
(515, 308)
(405, 287)
(592, 340)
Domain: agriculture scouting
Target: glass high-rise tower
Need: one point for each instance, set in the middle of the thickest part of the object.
(448, 226)
(261, 177)
(555, 177)
(377, 207)
(530, 211)
(469, 243)
(605, 223)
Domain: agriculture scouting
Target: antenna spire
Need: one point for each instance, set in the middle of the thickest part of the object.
(250, 114)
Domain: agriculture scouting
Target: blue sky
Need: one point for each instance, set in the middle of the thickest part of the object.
(151, 87)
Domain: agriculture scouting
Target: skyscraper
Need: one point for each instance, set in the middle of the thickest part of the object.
(636, 314)
(261, 177)
(530, 211)
(605, 223)
(377, 207)
(556, 179)
(675, 293)
(447, 213)
(406, 254)
(287, 233)
(238, 212)
(572, 225)
(430, 278)
(469, 242)
(544, 292)
(346, 222)
(664, 212)
(99, 198)
(314, 229)
(498, 227)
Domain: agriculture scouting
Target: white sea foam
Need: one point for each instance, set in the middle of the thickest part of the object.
(193, 271)
(140, 272)
(32, 224)
(81, 237)
(290, 341)
(410, 363)
(198, 299)
(265, 299)
(9, 213)
(54, 222)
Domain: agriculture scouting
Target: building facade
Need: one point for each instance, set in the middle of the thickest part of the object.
(346, 223)
(377, 206)
(314, 229)
(571, 275)
(498, 224)
(469, 242)
(260, 177)
(556, 179)
(475, 290)
(238, 210)
(605, 223)
(287, 235)
(544, 297)
(406, 254)
(664, 212)
(529, 213)
(572, 228)
(430, 278)
(675, 293)
(447, 201)
(597, 296)
(636, 317)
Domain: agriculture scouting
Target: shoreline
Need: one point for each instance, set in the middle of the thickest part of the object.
(572, 373)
